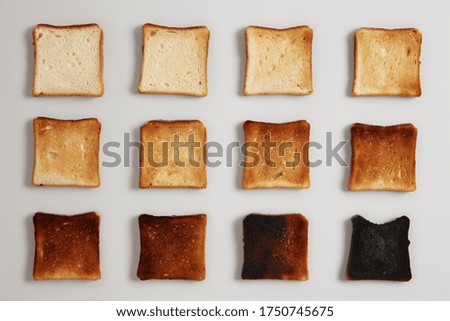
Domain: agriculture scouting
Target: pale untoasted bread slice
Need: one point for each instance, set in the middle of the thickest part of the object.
(163, 164)
(288, 164)
(387, 62)
(66, 247)
(172, 247)
(174, 60)
(68, 60)
(279, 61)
(275, 247)
(66, 152)
(383, 158)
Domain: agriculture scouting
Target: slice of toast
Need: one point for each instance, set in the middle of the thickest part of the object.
(379, 251)
(68, 60)
(383, 158)
(276, 155)
(66, 152)
(279, 61)
(66, 247)
(174, 60)
(172, 247)
(173, 154)
(387, 62)
(275, 247)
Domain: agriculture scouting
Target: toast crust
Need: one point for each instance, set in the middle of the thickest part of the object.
(288, 166)
(406, 84)
(383, 158)
(66, 247)
(101, 63)
(172, 247)
(379, 251)
(175, 92)
(166, 170)
(275, 247)
(307, 36)
(66, 152)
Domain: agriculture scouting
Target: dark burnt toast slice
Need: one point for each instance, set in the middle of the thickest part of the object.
(275, 247)
(172, 247)
(379, 251)
(67, 247)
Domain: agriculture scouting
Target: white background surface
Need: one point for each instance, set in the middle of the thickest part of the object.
(327, 204)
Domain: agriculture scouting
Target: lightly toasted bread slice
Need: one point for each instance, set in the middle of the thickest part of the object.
(279, 61)
(174, 60)
(387, 62)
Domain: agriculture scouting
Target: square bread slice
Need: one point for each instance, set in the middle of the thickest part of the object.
(276, 155)
(173, 154)
(383, 158)
(174, 60)
(379, 251)
(387, 62)
(68, 60)
(172, 247)
(66, 247)
(275, 247)
(279, 61)
(66, 152)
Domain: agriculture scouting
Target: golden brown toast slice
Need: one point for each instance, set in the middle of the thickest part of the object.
(276, 155)
(383, 158)
(173, 154)
(66, 152)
